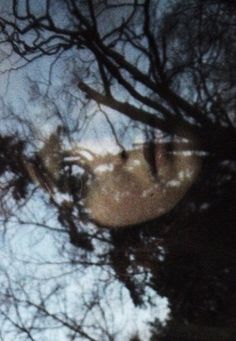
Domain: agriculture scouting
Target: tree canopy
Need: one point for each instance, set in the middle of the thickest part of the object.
(123, 69)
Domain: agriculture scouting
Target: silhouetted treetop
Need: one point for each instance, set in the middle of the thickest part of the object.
(159, 63)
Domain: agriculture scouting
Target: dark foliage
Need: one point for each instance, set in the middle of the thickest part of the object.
(189, 254)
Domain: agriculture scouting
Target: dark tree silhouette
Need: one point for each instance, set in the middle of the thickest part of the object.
(162, 64)
(177, 62)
